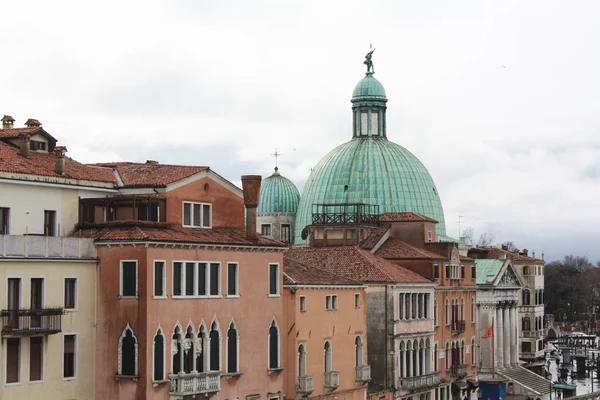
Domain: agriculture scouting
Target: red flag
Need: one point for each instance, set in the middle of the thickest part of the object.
(489, 332)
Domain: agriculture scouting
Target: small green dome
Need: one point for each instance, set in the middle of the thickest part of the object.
(368, 88)
(278, 195)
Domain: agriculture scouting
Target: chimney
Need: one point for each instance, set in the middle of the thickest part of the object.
(32, 123)
(533, 253)
(8, 122)
(501, 256)
(25, 144)
(251, 188)
(59, 159)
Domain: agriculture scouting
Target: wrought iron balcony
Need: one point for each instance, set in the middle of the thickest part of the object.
(345, 214)
(28, 322)
(458, 327)
(332, 379)
(363, 373)
(420, 382)
(195, 383)
(458, 370)
(306, 384)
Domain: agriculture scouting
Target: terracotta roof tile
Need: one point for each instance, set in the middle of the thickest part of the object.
(151, 173)
(43, 164)
(7, 118)
(396, 249)
(160, 232)
(297, 273)
(375, 236)
(494, 252)
(404, 217)
(354, 263)
(12, 133)
(468, 259)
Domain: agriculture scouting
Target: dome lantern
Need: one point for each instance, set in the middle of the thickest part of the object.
(368, 105)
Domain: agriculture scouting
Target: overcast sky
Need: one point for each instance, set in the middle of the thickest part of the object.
(499, 99)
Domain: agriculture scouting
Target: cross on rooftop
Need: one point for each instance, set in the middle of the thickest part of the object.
(276, 155)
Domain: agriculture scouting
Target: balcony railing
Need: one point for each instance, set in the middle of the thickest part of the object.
(332, 379)
(44, 321)
(363, 373)
(420, 382)
(195, 383)
(458, 371)
(458, 327)
(306, 384)
(345, 214)
(31, 246)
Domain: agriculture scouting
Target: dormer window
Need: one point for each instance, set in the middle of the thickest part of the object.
(197, 215)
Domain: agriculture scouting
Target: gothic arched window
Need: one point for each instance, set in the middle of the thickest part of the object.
(232, 349)
(215, 341)
(159, 356)
(127, 353)
(274, 346)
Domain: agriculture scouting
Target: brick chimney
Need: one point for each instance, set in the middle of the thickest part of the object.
(32, 123)
(8, 122)
(25, 144)
(59, 159)
(251, 188)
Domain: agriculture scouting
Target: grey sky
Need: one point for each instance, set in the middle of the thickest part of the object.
(498, 99)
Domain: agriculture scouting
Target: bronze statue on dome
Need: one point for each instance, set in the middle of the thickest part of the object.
(369, 62)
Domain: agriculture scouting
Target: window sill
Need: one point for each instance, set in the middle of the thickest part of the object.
(132, 377)
(233, 296)
(231, 375)
(274, 370)
(302, 310)
(158, 383)
(192, 297)
(73, 378)
(71, 309)
(128, 297)
(332, 309)
(274, 295)
(13, 384)
(159, 297)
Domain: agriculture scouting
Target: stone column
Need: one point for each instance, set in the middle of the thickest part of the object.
(499, 338)
(409, 301)
(417, 362)
(507, 339)
(515, 334)
(409, 354)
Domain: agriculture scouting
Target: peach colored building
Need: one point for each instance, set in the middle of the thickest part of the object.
(189, 302)
(326, 329)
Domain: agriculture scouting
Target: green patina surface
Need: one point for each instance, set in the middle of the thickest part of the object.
(368, 88)
(484, 268)
(278, 195)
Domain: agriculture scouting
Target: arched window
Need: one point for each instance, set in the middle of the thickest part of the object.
(232, 349)
(359, 351)
(435, 312)
(328, 356)
(526, 297)
(473, 309)
(427, 352)
(526, 324)
(301, 360)
(159, 356)
(201, 361)
(274, 346)
(401, 361)
(416, 350)
(462, 309)
(447, 355)
(176, 351)
(215, 344)
(473, 351)
(462, 352)
(525, 270)
(188, 350)
(127, 353)
(410, 369)
(447, 312)
(435, 357)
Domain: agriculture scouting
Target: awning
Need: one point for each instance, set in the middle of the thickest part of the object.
(459, 385)
(473, 384)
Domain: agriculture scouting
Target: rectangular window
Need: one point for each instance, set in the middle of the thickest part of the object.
(36, 301)
(49, 223)
(215, 279)
(473, 273)
(202, 270)
(128, 278)
(302, 303)
(331, 302)
(356, 300)
(436, 271)
(159, 279)
(429, 236)
(196, 215)
(189, 278)
(462, 272)
(177, 278)
(273, 279)
(265, 229)
(69, 356)
(70, 293)
(286, 233)
(13, 360)
(36, 358)
(447, 271)
(232, 279)
(4, 214)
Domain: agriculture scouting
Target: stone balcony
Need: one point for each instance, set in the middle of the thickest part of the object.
(46, 247)
(363, 373)
(458, 371)
(194, 383)
(458, 327)
(331, 380)
(420, 382)
(306, 384)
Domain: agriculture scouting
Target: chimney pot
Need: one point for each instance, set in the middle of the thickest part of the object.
(25, 144)
(31, 123)
(59, 159)
(251, 188)
(7, 122)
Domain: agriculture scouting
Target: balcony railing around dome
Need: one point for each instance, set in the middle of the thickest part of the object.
(345, 214)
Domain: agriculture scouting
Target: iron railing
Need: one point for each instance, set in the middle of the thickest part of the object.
(27, 322)
(420, 382)
(195, 383)
(345, 214)
(458, 327)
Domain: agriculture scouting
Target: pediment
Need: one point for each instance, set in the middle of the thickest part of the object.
(509, 278)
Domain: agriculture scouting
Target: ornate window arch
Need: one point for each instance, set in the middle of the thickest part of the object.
(177, 349)
(202, 348)
(526, 324)
(274, 348)
(447, 355)
(473, 352)
(128, 353)
(233, 354)
(302, 360)
(215, 345)
(189, 353)
(158, 356)
(435, 357)
(358, 348)
(526, 296)
(328, 356)
(447, 312)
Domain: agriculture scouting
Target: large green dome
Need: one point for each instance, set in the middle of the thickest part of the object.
(368, 88)
(278, 195)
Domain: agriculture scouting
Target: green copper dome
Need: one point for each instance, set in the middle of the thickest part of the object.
(278, 195)
(368, 88)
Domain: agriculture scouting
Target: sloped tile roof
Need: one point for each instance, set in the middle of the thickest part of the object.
(495, 252)
(151, 173)
(396, 249)
(404, 217)
(43, 164)
(145, 231)
(374, 237)
(15, 132)
(297, 273)
(354, 263)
